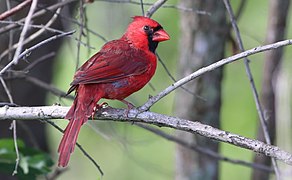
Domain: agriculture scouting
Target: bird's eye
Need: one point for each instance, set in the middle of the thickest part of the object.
(146, 28)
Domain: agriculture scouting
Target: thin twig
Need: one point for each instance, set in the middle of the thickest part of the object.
(203, 151)
(56, 173)
(181, 8)
(81, 28)
(77, 144)
(142, 7)
(10, 32)
(12, 127)
(151, 101)
(6, 89)
(29, 50)
(174, 80)
(155, 7)
(42, 30)
(253, 87)
(49, 9)
(50, 29)
(14, 10)
(37, 14)
(19, 23)
(240, 8)
(87, 32)
(39, 60)
(152, 86)
(24, 31)
(48, 87)
(34, 35)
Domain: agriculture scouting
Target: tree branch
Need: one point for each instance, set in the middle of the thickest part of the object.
(37, 14)
(29, 50)
(209, 68)
(24, 31)
(155, 7)
(14, 10)
(112, 114)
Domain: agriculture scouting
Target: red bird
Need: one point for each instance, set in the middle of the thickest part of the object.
(119, 69)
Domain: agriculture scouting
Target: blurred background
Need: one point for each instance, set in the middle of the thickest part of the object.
(200, 35)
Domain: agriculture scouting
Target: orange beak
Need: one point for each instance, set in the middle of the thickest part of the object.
(160, 35)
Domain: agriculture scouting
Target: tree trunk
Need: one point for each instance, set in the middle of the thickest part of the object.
(202, 43)
(276, 31)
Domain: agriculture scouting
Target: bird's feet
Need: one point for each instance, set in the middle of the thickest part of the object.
(97, 107)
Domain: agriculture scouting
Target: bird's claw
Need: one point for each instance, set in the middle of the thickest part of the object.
(97, 107)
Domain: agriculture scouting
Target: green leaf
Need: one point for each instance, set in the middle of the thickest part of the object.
(8, 143)
(7, 150)
(32, 162)
(24, 165)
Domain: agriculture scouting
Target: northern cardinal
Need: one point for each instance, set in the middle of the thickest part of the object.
(119, 69)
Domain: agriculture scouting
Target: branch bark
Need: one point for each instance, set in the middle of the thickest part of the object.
(112, 114)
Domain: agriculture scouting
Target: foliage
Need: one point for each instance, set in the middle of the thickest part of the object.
(32, 163)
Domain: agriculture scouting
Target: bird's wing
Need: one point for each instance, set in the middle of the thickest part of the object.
(116, 60)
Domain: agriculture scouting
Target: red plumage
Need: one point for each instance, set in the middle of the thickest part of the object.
(119, 69)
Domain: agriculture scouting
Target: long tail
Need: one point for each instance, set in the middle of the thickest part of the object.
(78, 114)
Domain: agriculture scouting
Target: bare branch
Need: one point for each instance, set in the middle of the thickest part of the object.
(142, 7)
(209, 68)
(181, 8)
(49, 87)
(39, 60)
(37, 14)
(14, 10)
(6, 89)
(174, 80)
(155, 7)
(29, 50)
(12, 127)
(241, 6)
(112, 114)
(41, 27)
(32, 36)
(81, 29)
(19, 23)
(24, 31)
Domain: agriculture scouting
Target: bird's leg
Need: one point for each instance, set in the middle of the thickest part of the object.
(96, 107)
(129, 106)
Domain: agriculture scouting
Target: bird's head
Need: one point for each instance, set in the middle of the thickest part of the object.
(145, 33)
